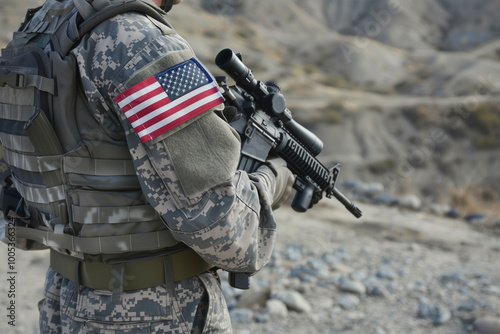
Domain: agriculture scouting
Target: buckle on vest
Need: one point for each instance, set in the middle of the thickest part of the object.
(13, 79)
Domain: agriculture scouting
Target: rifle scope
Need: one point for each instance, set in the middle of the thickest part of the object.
(229, 62)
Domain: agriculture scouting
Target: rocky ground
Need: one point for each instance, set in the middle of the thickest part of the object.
(392, 271)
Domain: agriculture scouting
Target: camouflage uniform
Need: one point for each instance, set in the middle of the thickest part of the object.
(194, 305)
(188, 175)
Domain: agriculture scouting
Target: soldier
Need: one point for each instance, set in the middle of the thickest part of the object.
(130, 179)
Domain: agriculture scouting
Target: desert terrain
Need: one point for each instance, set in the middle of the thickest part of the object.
(405, 95)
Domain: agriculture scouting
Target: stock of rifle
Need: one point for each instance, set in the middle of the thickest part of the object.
(267, 128)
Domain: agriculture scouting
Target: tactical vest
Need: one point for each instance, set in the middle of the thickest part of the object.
(80, 194)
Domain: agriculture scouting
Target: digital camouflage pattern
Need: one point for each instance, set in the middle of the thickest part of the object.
(187, 174)
(193, 305)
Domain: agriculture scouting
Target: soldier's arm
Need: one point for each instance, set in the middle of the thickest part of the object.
(191, 179)
(188, 172)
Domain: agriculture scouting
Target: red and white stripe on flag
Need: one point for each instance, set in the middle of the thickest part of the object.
(168, 99)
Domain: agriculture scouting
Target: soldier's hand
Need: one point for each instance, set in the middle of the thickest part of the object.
(284, 181)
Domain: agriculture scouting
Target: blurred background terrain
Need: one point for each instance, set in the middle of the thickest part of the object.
(405, 95)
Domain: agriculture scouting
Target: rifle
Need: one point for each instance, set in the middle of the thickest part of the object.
(266, 127)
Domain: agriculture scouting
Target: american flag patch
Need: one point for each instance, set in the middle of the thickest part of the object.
(169, 98)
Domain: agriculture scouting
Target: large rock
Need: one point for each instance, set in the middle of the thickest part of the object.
(276, 309)
(293, 300)
(352, 286)
(256, 295)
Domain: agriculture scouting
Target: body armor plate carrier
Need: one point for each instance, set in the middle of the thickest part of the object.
(60, 195)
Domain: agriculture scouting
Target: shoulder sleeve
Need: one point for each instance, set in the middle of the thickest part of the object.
(120, 53)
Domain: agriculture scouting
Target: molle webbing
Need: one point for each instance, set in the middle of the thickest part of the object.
(113, 215)
(16, 113)
(41, 195)
(16, 143)
(70, 164)
(100, 245)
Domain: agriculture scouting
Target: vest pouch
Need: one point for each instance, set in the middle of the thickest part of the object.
(26, 89)
(26, 134)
